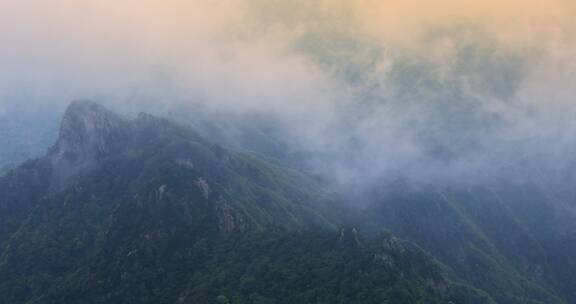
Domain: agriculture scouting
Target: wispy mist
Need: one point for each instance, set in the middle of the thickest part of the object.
(447, 91)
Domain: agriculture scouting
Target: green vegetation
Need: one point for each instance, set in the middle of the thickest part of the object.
(168, 217)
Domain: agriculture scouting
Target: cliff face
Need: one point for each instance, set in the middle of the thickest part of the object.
(88, 133)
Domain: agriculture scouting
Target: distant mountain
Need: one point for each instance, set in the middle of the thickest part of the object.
(504, 241)
(148, 211)
(26, 132)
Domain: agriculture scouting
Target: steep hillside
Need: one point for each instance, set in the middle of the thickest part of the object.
(147, 211)
(502, 240)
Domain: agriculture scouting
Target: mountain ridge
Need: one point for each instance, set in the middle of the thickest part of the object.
(147, 195)
(88, 132)
(164, 207)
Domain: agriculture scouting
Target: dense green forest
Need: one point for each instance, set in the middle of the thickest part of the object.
(149, 211)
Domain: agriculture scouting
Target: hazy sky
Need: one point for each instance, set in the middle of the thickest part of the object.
(91, 47)
(441, 88)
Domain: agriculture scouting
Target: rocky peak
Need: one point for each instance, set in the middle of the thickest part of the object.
(349, 236)
(88, 132)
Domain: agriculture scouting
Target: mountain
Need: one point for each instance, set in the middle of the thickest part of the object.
(148, 211)
(509, 241)
(170, 161)
(513, 240)
(25, 132)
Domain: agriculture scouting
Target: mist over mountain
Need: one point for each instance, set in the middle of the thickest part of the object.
(426, 91)
(147, 210)
(369, 151)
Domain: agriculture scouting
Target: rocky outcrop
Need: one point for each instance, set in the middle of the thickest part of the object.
(88, 133)
(230, 220)
(349, 237)
(391, 248)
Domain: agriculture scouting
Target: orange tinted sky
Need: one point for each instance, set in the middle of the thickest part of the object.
(59, 41)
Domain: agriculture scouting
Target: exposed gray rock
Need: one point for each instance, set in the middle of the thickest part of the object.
(88, 132)
(229, 220)
(203, 185)
(391, 248)
(349, 236)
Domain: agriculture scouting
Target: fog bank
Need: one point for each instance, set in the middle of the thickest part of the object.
(442, 91)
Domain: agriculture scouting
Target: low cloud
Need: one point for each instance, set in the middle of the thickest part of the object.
(443, 91)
